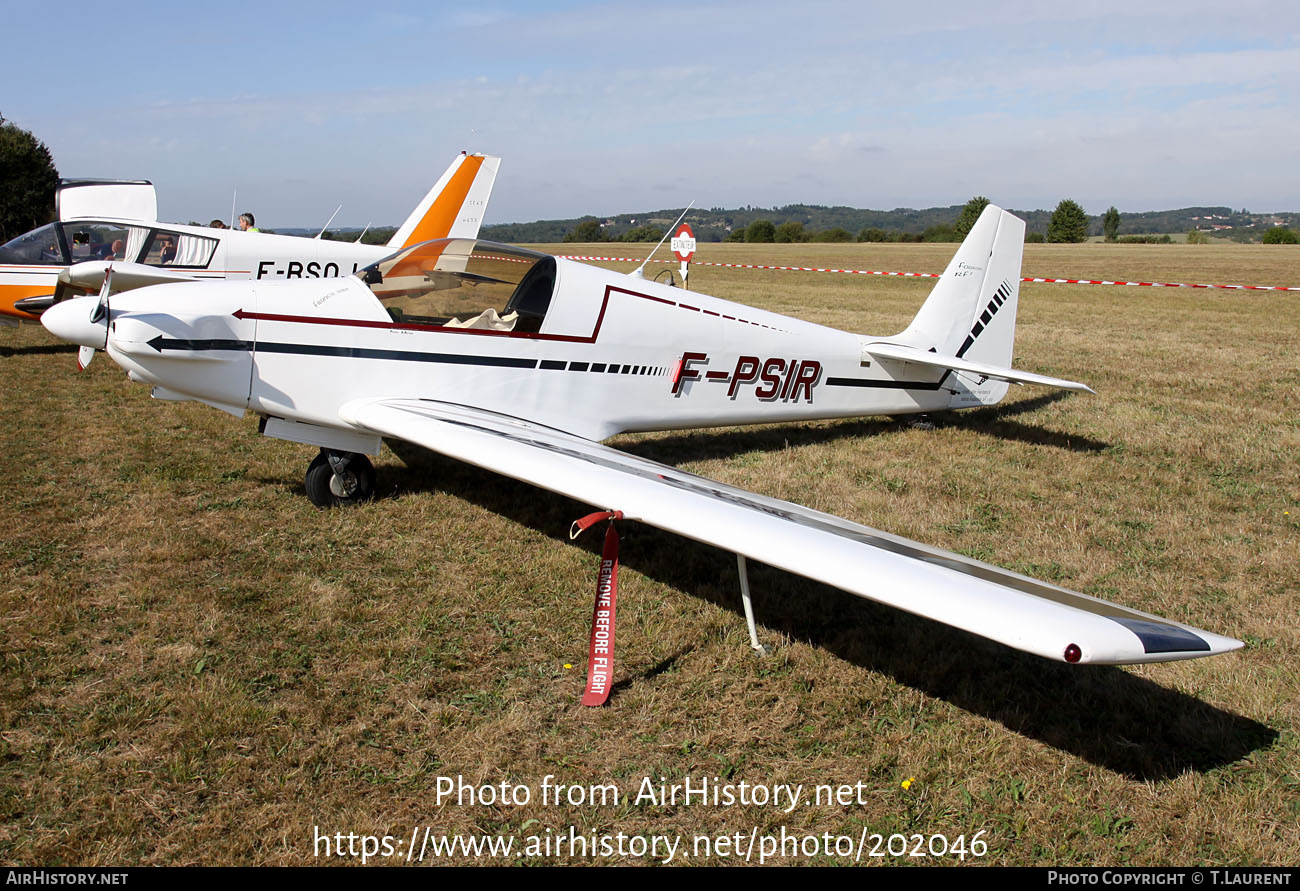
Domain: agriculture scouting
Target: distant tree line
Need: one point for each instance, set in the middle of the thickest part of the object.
(378, 235)
(802, 223)
(1068, 223)
(1145, 239)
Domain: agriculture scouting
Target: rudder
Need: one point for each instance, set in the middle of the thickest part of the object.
(971, 312)
(454, 207)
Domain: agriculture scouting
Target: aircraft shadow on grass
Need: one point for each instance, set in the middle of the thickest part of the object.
(43, 350)
(1102, 714)
(705, 444)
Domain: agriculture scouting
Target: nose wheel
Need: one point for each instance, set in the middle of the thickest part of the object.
(336, 479)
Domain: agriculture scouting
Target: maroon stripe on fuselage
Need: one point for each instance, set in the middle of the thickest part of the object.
(407, 326)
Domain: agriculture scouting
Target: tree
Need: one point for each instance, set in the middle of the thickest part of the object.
(587, 231)
(1110, 224)
(969, 214)
(940, 232)
(27, 182)
(760, 231)
(1068, 224)
(1196, 236)
(736, 236)
(642, 233)
(1281, 235)
(833, 234)
(789, 232)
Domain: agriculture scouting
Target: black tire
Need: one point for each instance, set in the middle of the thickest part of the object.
(325, 489)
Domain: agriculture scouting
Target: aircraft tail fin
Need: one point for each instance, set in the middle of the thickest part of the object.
(971, 312)
(454, 207)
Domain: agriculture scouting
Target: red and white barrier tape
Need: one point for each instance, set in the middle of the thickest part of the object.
(1056, 281)
(758, 266)
(1089, 281)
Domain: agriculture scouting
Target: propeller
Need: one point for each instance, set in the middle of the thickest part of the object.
(101, 312)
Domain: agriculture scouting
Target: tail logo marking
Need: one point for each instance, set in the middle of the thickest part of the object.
(1000, 297)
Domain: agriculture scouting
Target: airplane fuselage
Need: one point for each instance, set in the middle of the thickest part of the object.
(198, 252)
(615, 353)
(72, 255)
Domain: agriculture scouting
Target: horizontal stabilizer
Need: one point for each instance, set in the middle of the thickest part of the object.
(897, 352)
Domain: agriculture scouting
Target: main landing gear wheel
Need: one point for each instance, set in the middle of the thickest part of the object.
(335, 479)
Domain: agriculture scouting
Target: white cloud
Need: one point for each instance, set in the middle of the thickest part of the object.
(1141, 105)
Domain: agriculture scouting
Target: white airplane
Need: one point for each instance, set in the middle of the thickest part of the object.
(521, 363)
(113, 223)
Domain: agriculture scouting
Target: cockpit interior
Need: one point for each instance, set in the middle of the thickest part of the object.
(462, 283)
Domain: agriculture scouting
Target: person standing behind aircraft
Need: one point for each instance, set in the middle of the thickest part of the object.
(217, 224)
(246, 223)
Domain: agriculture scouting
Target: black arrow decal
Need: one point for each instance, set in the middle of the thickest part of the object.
(161, 343)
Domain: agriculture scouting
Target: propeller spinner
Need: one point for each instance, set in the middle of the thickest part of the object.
(82, 321)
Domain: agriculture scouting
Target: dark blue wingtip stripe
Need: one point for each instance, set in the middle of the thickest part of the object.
(1157, 637)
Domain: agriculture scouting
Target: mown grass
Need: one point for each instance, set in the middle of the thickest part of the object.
(200, 668)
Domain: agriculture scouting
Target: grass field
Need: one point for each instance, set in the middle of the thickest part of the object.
(199, 667)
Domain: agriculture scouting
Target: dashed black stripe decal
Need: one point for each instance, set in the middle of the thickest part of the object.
(161, 343)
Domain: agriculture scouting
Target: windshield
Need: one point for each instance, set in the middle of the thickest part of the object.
(40, 247)
(458, 283)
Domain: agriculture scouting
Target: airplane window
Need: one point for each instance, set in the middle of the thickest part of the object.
(532, 297)
(168, 248)
(40, 247)
(457, 283)
(89, 240)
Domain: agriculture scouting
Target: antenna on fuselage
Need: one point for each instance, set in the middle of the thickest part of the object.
(327, 222)
(234, 195)
(364, 231)
(639, 272)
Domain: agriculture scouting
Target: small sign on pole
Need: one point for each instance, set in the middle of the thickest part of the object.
(683, 245)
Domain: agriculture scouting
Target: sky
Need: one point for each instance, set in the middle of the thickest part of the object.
(605, 108)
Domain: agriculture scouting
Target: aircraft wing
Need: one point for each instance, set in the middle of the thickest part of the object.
(1012, 609)
(902, 353)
